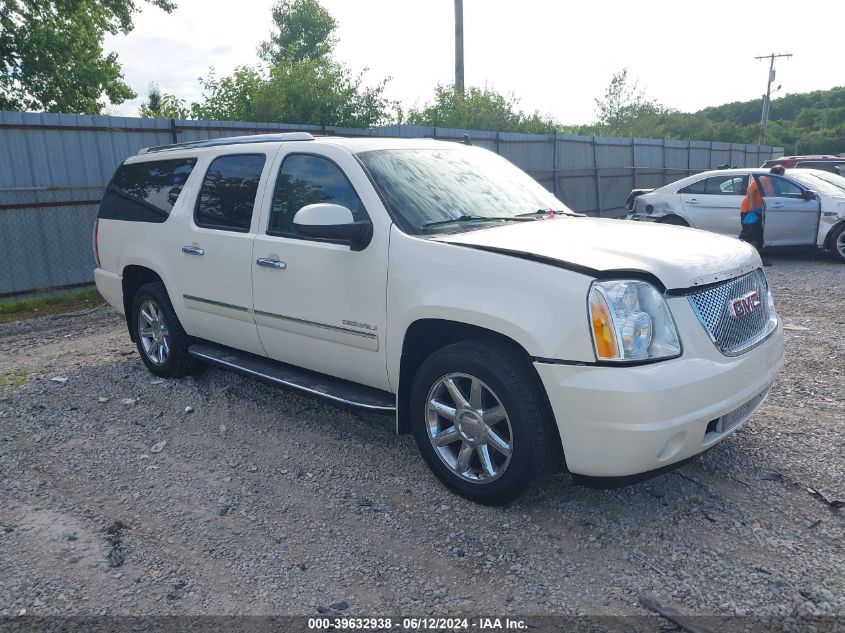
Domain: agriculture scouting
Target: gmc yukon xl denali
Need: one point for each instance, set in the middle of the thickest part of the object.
(439, 283)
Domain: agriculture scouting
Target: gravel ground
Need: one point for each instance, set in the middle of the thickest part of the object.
(262, 501)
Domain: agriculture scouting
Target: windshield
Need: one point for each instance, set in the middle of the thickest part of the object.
(826, 183)
(445, 189)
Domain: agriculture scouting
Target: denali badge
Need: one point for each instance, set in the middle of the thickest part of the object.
(745, 304)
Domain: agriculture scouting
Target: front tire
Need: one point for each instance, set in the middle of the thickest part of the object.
(159, 337)
(482, 421)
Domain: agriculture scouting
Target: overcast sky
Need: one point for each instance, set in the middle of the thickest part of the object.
(555, 56)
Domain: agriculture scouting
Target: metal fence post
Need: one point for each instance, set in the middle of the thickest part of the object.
(597, 175)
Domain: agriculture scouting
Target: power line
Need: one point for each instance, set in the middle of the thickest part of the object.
(764, 121)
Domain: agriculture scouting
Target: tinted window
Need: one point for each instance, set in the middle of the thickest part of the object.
(304, 180)
(145, 192)
(696, 187)
(228, 192)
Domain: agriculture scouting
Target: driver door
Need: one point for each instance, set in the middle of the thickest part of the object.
(317, 303)
(789, 218)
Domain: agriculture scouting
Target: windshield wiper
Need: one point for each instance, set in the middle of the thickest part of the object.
(546, 212)
(473, 218)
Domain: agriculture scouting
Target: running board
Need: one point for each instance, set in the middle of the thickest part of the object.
(334, 389)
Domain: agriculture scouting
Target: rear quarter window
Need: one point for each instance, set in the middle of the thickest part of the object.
(145, 192)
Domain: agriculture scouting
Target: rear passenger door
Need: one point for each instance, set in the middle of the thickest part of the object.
(214, 262)
(713, 204)
(789, 219)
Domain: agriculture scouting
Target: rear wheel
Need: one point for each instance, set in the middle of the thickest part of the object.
(159, 337)
(837, 243)
(482, 422)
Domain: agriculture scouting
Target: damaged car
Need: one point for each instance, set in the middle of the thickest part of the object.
(802, 208)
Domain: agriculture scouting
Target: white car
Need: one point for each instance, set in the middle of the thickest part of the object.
(438, 283)
(807, 207)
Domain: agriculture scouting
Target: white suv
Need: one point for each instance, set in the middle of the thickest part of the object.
(439, 283)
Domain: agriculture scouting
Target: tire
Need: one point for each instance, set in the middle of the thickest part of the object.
(504, 379)
(674, 220)
(159, 337)
(837, 243)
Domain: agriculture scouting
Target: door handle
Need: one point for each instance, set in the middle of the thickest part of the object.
(193, 250)
(271, 263)
(692, 201)
(775, 205)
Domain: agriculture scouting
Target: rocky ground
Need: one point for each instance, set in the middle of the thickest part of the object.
(124, 494)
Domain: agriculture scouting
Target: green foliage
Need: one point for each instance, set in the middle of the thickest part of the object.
(625, 108)
(305, 33)
(808, 123)
(302, 83)
(309, 92)
(161, 105)
(52, 58)
(73, 301)
(480, 109)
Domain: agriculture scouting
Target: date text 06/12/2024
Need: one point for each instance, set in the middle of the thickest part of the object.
(416, 624)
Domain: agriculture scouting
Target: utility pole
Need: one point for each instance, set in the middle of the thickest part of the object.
(764, 122)
(459, 47)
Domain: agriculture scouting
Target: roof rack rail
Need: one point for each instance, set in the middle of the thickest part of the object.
(231, 140)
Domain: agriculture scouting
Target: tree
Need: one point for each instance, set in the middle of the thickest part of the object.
(301, 83)
(52, 58)
(161, 105)
(623, 104)
(479, 109)
(305, 33)
(230, 98)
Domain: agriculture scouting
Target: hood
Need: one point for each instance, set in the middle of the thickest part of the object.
(679, 257)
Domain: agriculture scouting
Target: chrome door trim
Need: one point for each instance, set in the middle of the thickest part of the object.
(219, 304)
(325, 326)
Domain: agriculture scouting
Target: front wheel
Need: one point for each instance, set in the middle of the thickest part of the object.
(482, 421)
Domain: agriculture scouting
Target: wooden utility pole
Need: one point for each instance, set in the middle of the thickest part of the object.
(459, 47)
(764, 121)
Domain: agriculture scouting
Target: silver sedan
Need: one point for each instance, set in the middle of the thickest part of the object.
(806, 207)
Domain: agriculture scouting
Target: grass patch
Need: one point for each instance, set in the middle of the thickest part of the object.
(74, 301)
(13, 379)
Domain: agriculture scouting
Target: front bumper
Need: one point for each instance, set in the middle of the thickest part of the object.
(620, 421)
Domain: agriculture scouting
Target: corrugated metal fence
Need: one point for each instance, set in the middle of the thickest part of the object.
(54, 168)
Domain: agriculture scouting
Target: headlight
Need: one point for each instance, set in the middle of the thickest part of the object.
(630, 321)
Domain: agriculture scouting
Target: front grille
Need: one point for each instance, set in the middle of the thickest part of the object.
(731, 334)
(742, 413)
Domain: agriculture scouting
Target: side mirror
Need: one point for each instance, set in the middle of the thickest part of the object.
(809, 195)
(334, 222)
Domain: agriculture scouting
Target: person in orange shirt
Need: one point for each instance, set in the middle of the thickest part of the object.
(751, 209)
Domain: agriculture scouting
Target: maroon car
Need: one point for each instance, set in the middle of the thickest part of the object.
(834, 164)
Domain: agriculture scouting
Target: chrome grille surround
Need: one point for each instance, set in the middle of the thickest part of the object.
(735, 335)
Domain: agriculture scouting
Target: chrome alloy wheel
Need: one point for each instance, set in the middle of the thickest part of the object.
(840, 243)
(469, 428)
(153, 332)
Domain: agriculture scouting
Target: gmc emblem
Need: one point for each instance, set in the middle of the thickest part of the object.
(746, 304)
